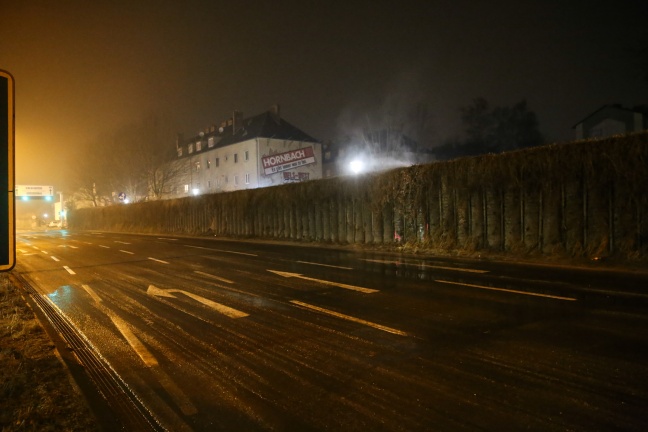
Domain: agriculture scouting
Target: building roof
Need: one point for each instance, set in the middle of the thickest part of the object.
(266, 125)
(617, 107)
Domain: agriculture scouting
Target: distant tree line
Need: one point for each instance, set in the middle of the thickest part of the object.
(134, 161)
(492, 130)
(402, 129)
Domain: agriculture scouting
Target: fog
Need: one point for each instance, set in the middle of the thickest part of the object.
(85, 69)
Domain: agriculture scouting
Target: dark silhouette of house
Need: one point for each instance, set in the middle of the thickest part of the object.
(612, 120)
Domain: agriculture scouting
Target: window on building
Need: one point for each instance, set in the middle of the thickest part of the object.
(198, 145)
(191, 148)
(235, 157)
(236, 180)
(247, 155)
(226, 179)
(179, 151)
(197, 165)
(247, 178)
(217, 162)
(210, 142)
(208, 184)
(186, 188)
(208, 164)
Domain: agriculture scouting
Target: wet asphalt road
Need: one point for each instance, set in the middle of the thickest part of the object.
(224, 335)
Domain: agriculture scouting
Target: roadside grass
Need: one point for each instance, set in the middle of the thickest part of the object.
(36, 392)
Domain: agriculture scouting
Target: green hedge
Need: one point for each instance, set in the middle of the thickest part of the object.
(585, 198)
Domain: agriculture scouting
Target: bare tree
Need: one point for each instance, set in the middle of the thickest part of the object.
(136, 160)
(90, 177)
(156, 158)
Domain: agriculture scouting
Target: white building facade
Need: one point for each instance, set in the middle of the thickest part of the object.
(260, 151)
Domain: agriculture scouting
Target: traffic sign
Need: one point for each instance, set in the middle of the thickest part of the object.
(33, 191)
(7, 210)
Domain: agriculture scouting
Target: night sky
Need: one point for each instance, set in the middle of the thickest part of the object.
(86, 68)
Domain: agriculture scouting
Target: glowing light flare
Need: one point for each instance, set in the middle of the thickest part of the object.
(356, 166)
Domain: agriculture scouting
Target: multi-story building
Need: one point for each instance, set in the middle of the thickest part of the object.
(246, 153)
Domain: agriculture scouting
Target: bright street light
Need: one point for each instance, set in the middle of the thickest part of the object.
(356, 166)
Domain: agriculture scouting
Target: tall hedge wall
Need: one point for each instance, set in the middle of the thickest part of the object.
(585, 198)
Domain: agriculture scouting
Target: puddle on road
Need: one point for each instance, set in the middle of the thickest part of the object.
(64, 296)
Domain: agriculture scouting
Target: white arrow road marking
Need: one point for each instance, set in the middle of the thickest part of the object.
(225, 310)
(218, 278)
(349, 318)
(69, 270)
(221, 250)
(148, 358)
(325, 265)
(92, 293)
(150, 361)
(159, 292)
(428, 266)
(157, 260)
(508, 290)
(325, 282)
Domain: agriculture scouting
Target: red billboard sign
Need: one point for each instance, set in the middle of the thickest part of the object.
(288, 160)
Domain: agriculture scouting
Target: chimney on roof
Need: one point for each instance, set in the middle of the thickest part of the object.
(275, 110)
(237, 121)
